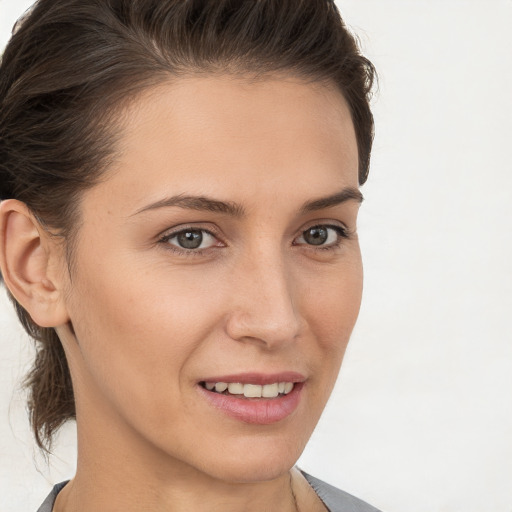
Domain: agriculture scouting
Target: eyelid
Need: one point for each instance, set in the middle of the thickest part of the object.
(341, 229)
(343, 232)
(171, 233)
(336, 225)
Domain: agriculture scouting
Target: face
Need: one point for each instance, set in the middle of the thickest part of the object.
(220, 250)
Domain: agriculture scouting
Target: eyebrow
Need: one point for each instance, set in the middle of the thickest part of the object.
(200, 203)
(347, 194)
(203, 203)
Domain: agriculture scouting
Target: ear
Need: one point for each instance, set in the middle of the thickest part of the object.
(31, 264)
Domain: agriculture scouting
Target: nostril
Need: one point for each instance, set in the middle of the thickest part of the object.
(264, 325)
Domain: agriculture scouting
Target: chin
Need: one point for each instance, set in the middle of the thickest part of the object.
(245, 472)
(257, 460)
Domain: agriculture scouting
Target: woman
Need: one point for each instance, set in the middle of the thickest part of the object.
(180, 189)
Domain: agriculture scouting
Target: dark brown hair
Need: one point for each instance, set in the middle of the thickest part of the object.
(72, 64)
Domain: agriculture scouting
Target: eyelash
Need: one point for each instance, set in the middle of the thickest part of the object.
(342, 232)
(183, 251)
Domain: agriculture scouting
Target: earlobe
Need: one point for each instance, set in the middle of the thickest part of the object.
(27, 255)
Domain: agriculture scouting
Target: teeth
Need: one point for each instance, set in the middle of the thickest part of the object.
(235, 388)
(270, 390)
(220, 387)
(251, 390)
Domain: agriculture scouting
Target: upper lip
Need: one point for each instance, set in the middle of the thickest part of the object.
(258, 378)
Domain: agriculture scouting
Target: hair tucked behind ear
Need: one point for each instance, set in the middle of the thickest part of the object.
(71, 67)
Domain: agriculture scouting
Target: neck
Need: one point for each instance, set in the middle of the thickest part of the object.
(116, 472)
(82, 495)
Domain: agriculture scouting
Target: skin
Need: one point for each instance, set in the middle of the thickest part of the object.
(143, 321)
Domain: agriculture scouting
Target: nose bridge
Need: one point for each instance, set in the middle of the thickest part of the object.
(264, 303)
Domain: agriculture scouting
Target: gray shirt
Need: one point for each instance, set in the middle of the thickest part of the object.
(334, 499)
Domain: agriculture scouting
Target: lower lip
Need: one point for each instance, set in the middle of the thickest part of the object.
(259, 411)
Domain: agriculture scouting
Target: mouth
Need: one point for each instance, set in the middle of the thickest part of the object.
(253, 398)
(240, 390)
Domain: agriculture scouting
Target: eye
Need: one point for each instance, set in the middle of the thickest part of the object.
(322, 235)
(191, 239)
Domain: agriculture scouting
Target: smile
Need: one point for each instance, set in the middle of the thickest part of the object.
(254, 398)
(250, 390)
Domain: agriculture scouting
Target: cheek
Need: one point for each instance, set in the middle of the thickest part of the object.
(333, 303)
(137, 334)
(331, 307)
(140, 329)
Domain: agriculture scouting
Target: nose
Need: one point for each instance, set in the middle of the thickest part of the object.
(264, 302)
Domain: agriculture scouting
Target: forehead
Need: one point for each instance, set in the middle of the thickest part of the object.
(209, 134)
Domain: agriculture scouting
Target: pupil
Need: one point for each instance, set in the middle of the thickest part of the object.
(316, 236)
(190, 239)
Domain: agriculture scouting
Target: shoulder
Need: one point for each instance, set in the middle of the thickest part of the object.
(47, 505)
(335, 499)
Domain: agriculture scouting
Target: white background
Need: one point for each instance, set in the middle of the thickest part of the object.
(421, 419)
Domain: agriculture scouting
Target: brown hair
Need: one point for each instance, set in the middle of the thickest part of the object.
(71, 65)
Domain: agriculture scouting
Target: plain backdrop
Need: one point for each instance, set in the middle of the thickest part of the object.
(421, 418)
